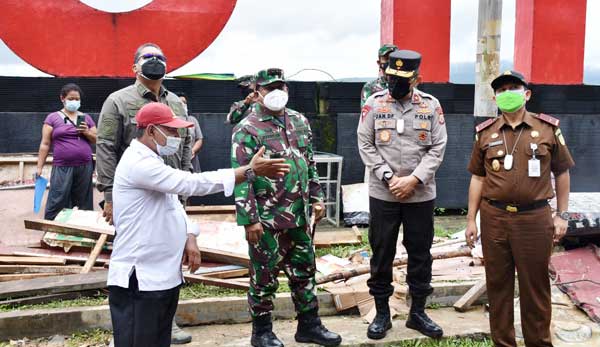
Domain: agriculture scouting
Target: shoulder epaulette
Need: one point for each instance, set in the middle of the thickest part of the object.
(380, 93)
(485, 124)
(548, 119)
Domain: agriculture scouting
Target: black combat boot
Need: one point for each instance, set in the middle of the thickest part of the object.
(262, 333)
(382, 322)
(310, 329)
(418, 320)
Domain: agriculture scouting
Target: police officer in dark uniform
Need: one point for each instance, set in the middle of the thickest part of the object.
(512, 161)
(402, 138)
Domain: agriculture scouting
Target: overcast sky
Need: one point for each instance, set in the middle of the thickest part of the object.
(337, 36)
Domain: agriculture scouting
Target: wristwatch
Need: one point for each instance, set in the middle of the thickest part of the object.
(250, 175)
(563, 215)
(387, 176)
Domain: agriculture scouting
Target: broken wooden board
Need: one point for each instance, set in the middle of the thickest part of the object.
(325, 239)
(221, 209)
(16, 277)
(24, 269)
(210, 281)
(54, 285)
(68, 229)
(30, 260)
(218, 270)
(218, 256)
(471, 296)
(42, 299)
(76, 257)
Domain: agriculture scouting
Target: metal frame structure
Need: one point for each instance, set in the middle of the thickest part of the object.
(332, 194)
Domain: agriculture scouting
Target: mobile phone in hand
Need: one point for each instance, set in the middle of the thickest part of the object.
(80, 119)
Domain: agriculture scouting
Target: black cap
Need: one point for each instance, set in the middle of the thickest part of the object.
(509, 76)
(404, 63)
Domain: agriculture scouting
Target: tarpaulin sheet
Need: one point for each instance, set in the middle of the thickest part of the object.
(573, 272)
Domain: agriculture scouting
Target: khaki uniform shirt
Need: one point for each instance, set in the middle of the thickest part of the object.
(515, 185)
(117, 127)
(404, 138)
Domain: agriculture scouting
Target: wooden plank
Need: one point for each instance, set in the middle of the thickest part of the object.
(67, 229)
(54, 285)
(31, 260)
(16, 277)
(216, 282)
(470, 297)
(336, 238)
(24, 269)
(222, 209)
(94, 255)
(219, 256)
(42, 299)
(77, 257)
(227, 273)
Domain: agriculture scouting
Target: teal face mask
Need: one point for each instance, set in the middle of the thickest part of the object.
(511, 100)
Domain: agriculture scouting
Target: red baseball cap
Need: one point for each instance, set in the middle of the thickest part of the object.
(159, 114)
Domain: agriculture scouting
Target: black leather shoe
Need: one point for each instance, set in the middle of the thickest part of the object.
(262, 333)
(382, 322)
(310, 329)
(418, 320)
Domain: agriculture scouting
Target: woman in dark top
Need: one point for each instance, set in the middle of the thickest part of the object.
(71, 135)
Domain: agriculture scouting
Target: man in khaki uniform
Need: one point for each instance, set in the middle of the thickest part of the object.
(402, 139)
(512, 159)
(117, 127)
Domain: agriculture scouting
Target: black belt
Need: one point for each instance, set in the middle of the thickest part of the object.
(514, 208)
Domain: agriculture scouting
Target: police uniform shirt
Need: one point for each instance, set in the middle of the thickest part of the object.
(404, 138)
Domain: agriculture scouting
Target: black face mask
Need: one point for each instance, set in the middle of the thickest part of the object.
(383, 66)
(399, 87)
(153, 69)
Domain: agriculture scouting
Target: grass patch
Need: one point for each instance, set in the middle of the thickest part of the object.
(345, 251)
(453, 342)
(98, 299)
(91, 338)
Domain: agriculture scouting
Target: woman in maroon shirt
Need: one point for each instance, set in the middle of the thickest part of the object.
(71, 135)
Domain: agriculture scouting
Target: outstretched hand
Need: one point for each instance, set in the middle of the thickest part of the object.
(272, 168)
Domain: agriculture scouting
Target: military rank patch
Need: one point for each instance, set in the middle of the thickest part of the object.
(364, 112)
(423, 110)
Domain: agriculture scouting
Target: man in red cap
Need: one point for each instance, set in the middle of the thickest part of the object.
(153, 234)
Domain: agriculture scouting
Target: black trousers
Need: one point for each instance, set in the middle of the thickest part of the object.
(142, 318)
(70, 186)
(417, 221)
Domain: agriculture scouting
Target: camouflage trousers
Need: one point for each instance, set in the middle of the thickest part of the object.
(290, 250)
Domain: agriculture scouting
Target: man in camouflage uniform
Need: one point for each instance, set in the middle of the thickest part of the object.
(240, 109)
(402, 139)
(117, 127)
(380, 83)
(275, 213)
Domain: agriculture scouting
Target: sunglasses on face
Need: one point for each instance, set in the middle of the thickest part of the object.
(154, 55)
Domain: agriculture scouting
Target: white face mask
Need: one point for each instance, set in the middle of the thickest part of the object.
(275, 100)
(72, 105)
(171, 147)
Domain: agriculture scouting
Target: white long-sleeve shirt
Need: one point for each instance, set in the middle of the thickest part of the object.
(151, 224)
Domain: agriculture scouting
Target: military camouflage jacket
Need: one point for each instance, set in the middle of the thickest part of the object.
(238, 111)
(117, 127)
(371, 88)
(277, 203)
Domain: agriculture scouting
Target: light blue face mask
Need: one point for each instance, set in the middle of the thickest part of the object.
(171, 147)
(72, 105)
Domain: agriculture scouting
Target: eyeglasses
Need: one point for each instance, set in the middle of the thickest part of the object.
(154, 55)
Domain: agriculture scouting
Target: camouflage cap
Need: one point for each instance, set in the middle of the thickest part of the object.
(387, 49)
(404, 63)
(245, 81)
(268, 76)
